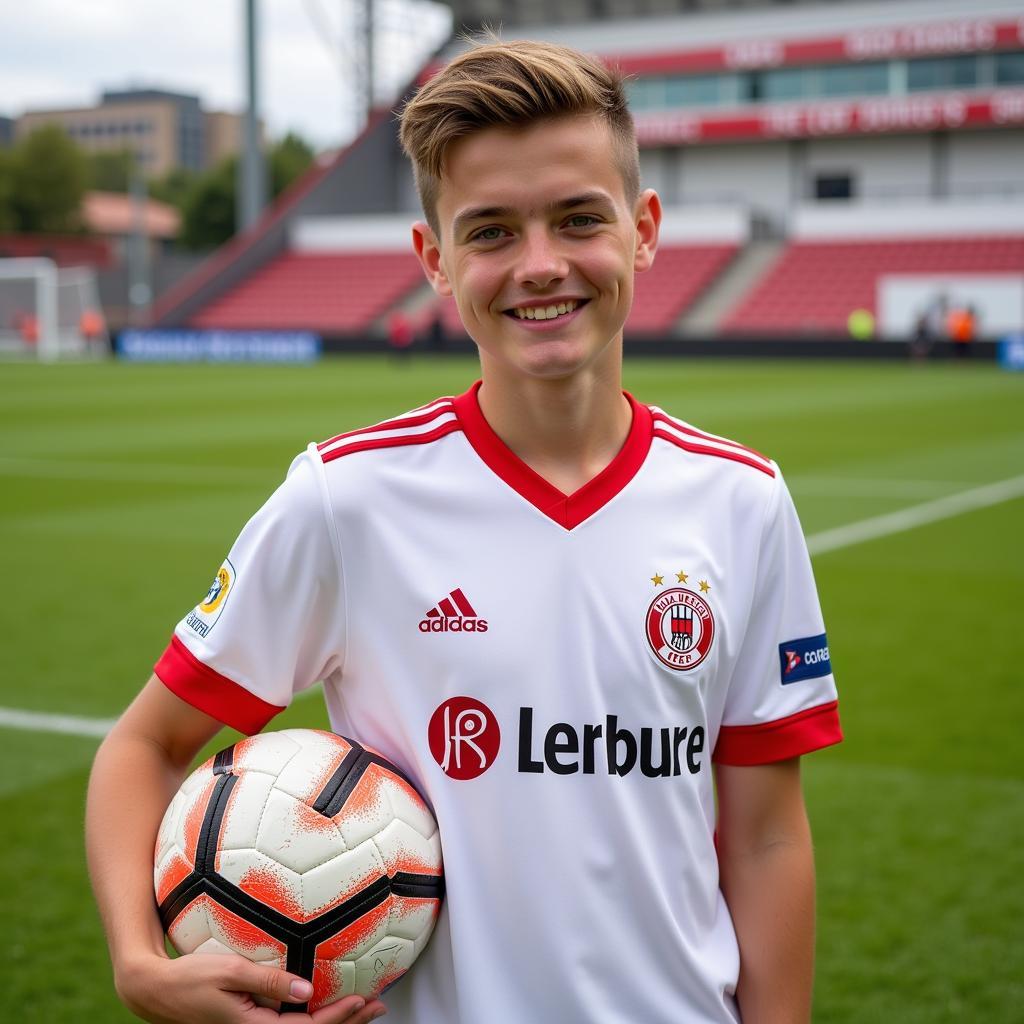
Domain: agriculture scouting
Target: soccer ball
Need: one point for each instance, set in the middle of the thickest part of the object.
(306, 851)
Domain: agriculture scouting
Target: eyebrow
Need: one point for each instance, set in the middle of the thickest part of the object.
(486, 212)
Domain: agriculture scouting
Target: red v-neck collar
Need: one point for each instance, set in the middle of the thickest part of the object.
(568, 510)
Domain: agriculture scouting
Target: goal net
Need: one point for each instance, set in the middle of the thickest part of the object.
(50, 312)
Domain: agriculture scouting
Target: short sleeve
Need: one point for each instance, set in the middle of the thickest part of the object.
(781, 701)
(272, 622)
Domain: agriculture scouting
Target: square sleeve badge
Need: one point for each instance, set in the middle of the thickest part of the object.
(805, 658)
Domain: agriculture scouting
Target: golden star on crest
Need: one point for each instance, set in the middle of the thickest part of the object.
(657, 580)
(682, 577)
(704, 586)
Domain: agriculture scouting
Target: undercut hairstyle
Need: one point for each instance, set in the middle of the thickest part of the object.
(512, 85)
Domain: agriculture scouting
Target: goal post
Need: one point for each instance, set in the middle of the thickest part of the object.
(48, 311)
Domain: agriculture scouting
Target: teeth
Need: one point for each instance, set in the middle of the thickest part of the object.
(545, 312)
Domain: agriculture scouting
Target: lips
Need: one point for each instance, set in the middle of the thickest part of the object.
(551, 310)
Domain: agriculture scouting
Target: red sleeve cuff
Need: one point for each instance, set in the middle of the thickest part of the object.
(792, 736)
(206, 689)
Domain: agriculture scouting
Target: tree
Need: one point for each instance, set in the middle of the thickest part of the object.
(50, 174)
(208, 204)
(173, 187)
(8, 214)
(111, 170)
(290, 158)
(208, 208)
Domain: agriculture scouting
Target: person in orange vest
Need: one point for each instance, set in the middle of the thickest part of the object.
(961, 327)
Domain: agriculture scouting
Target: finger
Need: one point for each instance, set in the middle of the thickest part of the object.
(341, 1012)
(270, 983)
(351, 1010)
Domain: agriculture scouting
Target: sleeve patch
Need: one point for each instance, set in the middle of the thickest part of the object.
(805, 658)
(204, 616)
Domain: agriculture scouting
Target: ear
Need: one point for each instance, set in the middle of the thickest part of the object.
(428, 252)
(648, 220)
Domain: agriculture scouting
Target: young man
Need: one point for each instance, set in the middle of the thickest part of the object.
(570, 617)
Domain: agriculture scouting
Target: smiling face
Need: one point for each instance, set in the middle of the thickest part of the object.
(539, 245)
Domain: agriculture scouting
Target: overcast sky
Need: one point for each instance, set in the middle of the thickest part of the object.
(63, 53)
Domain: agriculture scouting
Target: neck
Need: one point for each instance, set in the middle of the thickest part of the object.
(567, 431)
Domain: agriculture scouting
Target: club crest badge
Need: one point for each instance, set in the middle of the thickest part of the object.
(680, 628)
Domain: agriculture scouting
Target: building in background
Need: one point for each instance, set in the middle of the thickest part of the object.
(166, 130)
(6, 131)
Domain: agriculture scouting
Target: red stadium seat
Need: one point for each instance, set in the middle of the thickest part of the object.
(814, 286)
(334, 293)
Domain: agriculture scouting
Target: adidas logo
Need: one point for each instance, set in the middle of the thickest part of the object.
(453, 614)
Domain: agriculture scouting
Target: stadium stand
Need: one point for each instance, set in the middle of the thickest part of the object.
(334, 292)
(814, 285)
(813, 158)
(668, 289)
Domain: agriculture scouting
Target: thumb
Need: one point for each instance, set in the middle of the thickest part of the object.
(277, 985)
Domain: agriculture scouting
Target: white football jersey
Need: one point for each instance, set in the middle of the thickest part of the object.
(555, 673)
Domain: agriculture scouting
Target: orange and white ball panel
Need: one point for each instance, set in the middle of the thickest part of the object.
(369, 806)
(332, 980)
(331, 884)
(357, 938)
(386, 962)
(403, 848)
(205, 926)
(245, 809)
(413, 918)
(268, 752)
(182, 822)
(408, 806)
(291, 832)
(301, 896)
(305, 775)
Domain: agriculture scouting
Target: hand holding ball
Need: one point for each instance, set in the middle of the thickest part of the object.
(305, 851)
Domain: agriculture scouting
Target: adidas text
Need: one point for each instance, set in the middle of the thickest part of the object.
(440, 625)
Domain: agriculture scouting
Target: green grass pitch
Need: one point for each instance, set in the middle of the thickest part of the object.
(123, 487)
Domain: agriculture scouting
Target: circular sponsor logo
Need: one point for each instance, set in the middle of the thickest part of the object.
(464, 737)
(680, 628)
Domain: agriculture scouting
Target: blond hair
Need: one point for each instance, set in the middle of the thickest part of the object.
(511, 85)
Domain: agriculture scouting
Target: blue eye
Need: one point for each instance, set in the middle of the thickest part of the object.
(582, 220)
(489, 234)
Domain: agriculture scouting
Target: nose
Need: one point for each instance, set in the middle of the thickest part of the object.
(541, 261)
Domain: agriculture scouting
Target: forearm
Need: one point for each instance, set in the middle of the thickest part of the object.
(131, 784)
(770, 894)
(137, 770)
(766, 865)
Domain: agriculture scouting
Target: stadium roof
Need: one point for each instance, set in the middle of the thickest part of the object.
(476, 13)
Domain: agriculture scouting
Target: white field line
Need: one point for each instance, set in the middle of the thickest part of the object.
(40, 721)
(817, 543)
(916, 515)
